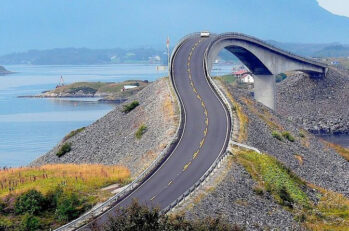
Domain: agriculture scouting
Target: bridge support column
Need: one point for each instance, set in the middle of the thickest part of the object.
(265, 90)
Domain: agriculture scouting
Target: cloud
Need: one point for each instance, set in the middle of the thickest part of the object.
(339, 7)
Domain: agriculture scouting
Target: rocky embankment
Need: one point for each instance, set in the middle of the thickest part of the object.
(112, 140)
(234, 197)
(3, 71)
(318, 105)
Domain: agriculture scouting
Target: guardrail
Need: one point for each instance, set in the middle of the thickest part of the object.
(111, 202)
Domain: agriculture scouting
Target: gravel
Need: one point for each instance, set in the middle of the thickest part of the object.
(235, 201)
(111, 140)
(318, 105)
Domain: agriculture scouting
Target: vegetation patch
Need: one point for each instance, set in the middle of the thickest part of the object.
(73, 133)
(137, 217)
(129, 107)
(43, 198)
(141, 130)
(65, 148)
(274, 177)
(331, 212)
(288, 136)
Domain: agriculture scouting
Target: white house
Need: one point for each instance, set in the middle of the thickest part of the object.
(247, 78)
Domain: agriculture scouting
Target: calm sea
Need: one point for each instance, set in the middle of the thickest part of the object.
(29, 127)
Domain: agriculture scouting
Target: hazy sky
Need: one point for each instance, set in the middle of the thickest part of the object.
(47, 24)
(339, 7)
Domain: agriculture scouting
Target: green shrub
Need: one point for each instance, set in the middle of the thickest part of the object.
(31, 202)
(129, 107)
(288, 136)
(30, 223)
(5, 224)
(141, 130)
(258, 190)
(65, 148)
(52, 198)
(2, 207)
(69, 207)
(276, 135)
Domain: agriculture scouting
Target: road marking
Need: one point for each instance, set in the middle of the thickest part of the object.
(205, 132)
(203, 104)
(196, 154)
(206, 121)
(205, 112)
(186, 166)
(202, 142)
(198, 96)
(153, 198)
(169, 183)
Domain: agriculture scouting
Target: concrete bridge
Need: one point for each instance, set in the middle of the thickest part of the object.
(263, 60)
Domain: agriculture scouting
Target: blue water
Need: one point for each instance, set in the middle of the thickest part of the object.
(29, 127)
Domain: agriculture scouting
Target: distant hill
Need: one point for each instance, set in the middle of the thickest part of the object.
(84, 56)
(3, 71)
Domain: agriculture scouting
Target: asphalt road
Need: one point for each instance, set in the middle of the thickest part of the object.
(205, 135)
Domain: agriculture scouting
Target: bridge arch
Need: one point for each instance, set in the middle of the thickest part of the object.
(263, 60)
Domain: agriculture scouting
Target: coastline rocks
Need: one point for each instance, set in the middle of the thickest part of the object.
(3, 71)
(111, 139)
(318, 105)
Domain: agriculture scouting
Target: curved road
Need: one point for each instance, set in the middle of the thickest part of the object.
(205, 134)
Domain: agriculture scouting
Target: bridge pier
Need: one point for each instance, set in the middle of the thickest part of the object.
(265, 90)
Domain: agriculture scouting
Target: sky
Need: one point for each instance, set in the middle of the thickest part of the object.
(339, 7)
(47, 24)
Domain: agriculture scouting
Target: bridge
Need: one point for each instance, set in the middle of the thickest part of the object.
(263, 60)
(205, 127)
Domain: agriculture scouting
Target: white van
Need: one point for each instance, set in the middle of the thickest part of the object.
(205, 34)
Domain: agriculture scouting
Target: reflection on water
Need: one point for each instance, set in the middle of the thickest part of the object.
(30, 127)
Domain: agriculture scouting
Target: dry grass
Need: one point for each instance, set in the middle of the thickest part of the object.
(81, 178)
(339, 149)
(331, 213)
(242, 117)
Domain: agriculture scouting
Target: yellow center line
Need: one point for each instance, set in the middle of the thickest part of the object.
(196, 154)
(169, 183)
(202, 142)
(206, 121)
(205, 132)
(186, 166)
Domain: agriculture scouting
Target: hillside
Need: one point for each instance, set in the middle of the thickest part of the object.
(113, 139)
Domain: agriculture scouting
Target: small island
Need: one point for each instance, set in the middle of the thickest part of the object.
(3, 71)
(107, 91)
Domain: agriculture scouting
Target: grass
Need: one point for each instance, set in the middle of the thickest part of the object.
(80, 178)
(73, 133)
(141, 130)
(287, 135)
(277, 135)
(274, 177)
(129, 107)
(65, 148)
(331, 212)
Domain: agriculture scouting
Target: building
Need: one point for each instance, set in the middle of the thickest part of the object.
(128, 87)
(247, 78)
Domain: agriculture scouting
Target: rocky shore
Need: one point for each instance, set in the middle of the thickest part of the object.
(318, 105)
(112, 140)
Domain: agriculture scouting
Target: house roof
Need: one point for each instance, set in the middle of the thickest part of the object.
(241, 72)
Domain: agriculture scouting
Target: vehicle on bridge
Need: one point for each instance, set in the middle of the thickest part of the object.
(205, 34)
